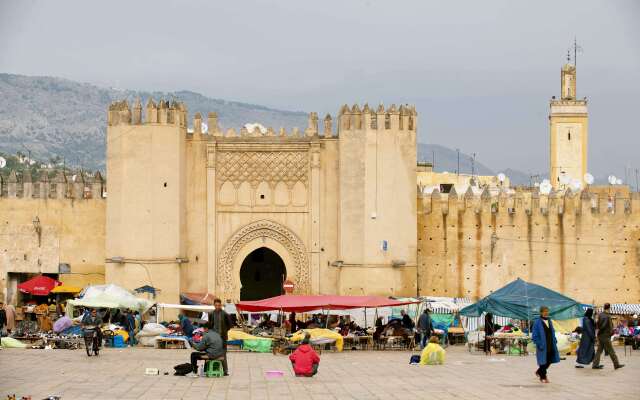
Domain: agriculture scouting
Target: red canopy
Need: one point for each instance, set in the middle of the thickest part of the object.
(291, 303)
(39, 286)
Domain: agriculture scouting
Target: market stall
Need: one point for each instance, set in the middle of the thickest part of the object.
(520, 302)
(324, 304)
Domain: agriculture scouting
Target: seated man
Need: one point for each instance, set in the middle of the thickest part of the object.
(433, 354)
(305, 360)
(209, 347)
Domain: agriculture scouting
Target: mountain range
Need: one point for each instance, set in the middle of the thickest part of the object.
(51, 118)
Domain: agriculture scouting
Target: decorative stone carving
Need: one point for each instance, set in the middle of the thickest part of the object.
(265, 229)
(258, 166)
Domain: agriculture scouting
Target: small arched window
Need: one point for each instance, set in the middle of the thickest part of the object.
(569, 136)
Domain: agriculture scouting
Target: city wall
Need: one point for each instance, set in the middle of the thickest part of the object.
(582, 245)
(49, 222)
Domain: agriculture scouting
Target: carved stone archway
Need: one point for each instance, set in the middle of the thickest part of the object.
(265, 229)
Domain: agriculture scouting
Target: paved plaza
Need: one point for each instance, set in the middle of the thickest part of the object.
(119, 374)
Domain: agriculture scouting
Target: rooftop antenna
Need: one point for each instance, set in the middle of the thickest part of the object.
(576, 49)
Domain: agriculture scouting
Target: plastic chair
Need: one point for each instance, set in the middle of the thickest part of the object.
(214, 368)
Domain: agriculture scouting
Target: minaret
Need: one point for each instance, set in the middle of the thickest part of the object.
(568, 128)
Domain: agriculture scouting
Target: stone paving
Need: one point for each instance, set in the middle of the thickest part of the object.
(119, 374)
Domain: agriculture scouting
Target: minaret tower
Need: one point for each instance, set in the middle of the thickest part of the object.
(568, 123)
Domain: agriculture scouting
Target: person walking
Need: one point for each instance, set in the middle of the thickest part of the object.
(544, 337)
(586, 349)
(424, 327)
(603, 333)
(130, 324)
(220, 322)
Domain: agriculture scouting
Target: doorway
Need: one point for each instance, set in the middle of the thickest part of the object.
(261, 275)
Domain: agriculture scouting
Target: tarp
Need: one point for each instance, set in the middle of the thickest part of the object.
(319, 333)
(522, 300)
(289, 303)
(252, 343)
(66, 289)
(110, 296)
(38, 286)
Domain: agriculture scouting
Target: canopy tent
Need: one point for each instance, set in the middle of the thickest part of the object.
(297, 303)
(66, 289)
(39, 286)
(522, 300)
(110, 296)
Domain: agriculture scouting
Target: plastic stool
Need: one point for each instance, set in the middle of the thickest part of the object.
(214, 368)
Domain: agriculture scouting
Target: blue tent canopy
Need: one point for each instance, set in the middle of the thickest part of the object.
(522, 300)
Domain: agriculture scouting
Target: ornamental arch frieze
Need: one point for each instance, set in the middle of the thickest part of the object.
(263, 233)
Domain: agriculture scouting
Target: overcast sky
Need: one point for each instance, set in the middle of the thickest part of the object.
(480, 72)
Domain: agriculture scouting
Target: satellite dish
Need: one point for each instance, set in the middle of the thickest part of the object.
(612, 179)
(576, 185)
(545, 187)
(501, 177)
(3, 162)
(588, 178)
(618, 181)
(537, 184)
(564, 179)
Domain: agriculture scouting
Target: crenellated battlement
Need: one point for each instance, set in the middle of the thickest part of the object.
(403, 118)
(257, 131)
(530, 203)
(164, 113)
(61, 186)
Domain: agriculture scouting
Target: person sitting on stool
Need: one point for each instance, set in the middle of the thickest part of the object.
(210, 347)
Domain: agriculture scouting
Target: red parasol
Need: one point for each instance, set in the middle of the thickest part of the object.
(39, 286)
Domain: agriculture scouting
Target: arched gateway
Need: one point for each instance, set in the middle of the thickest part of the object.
(268, 235)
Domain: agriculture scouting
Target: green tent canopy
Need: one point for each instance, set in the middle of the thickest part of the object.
(522, 300)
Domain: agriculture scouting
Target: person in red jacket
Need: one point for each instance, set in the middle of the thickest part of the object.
(305, 360)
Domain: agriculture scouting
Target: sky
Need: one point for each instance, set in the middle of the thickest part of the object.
(480, 73)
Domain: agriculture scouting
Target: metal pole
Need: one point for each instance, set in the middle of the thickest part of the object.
(458, 170)
(637, 180)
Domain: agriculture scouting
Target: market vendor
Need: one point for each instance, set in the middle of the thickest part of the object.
(210, 347)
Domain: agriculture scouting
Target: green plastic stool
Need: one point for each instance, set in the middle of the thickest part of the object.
(214, 368)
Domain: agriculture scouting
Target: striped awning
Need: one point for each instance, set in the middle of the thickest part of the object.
(625, 309)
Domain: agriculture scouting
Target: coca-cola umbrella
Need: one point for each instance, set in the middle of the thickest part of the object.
(39, 286)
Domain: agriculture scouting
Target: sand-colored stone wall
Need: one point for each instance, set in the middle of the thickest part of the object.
(587, 248)
(72, 232)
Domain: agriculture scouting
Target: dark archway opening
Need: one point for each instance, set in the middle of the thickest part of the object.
(261, 275)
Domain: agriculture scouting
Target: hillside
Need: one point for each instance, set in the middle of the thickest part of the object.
(57, 117)
(54, 119)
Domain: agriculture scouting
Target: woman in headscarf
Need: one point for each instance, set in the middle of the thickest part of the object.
(544, 337)
(586, 350)
(489, 330)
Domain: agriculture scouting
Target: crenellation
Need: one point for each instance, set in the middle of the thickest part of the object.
(620, 204)
(212, 125)
(197, 126)
(136, 118)
(97, 186)
(152, 112)
(312, 128)
(328, 129)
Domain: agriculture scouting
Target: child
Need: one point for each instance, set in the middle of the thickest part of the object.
(433, 354)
